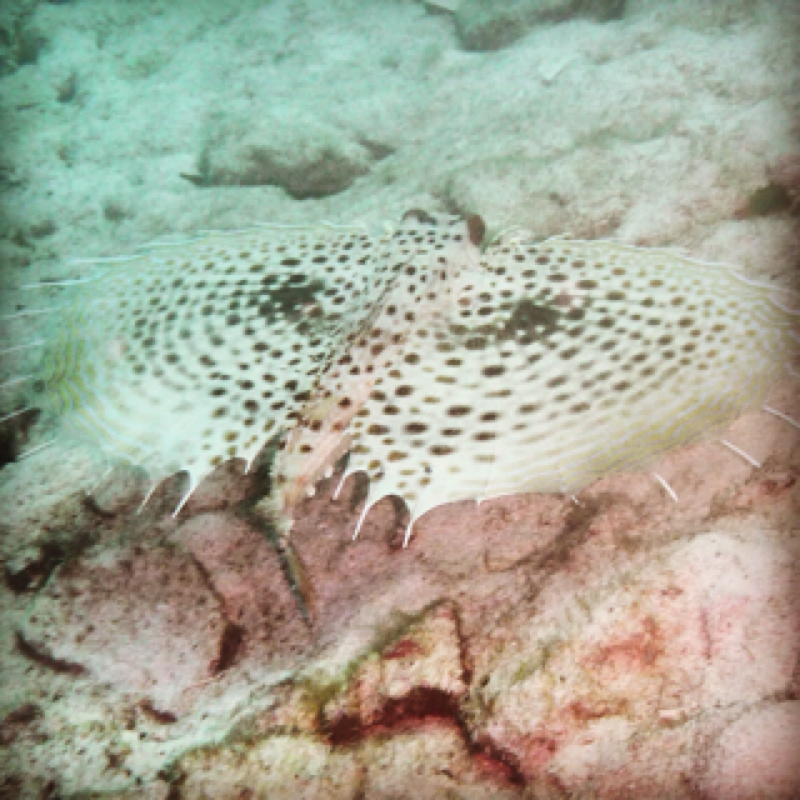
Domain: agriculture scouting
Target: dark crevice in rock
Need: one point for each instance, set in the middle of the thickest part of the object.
(157, 714)
(423, 705)
(16, 721)
(39, 656)
(484, 25)
(323, 174)
(377, 150)
(498, 761)
(14, 433)
(27, 573)
(770, 199)
(91, 505)
(230, 647)
(231, 643)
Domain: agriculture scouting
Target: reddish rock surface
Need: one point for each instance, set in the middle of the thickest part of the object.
(141, 619)
(618, 643)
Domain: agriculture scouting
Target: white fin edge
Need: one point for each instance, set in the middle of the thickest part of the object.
(370, 502)
(17, 348)
(667, 488)
(93, 488)
(101, 260)
(32, 312)
(186, 495)
(361, 517)
(338, 490)
(15, 381)
(26, 287)
(18, 413)
(780, 415)
(407, 534)
(147, 496)
(204, 233)
(738, 450)
(36, 449)
(176, 240)
(762, 285)
(674, 253)
(795, 312)
(13, 414)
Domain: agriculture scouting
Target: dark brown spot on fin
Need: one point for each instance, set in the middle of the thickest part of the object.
(530, 319)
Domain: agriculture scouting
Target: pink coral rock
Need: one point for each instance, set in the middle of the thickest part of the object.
(758, 756)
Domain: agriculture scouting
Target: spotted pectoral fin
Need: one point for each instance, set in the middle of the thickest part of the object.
(197, 352)
(579, 360)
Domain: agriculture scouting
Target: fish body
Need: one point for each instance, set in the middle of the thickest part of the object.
(448, 367)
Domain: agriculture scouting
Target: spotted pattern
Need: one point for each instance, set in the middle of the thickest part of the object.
(189, 355)
(557, 362)
(445, 372)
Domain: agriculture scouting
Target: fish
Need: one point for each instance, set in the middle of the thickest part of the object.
(444, 362)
